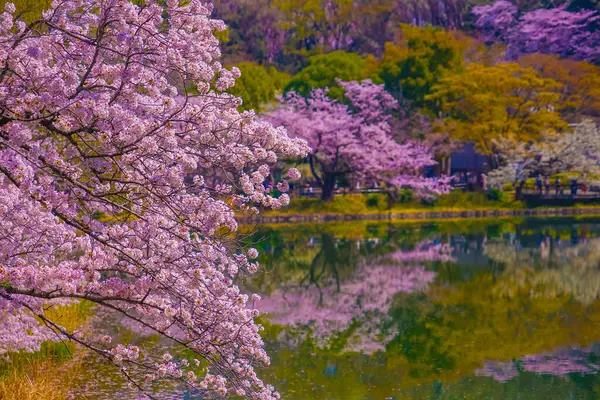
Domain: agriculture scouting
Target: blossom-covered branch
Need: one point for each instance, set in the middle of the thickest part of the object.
(109, 113)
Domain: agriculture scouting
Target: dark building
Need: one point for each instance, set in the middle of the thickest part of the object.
(467, 163)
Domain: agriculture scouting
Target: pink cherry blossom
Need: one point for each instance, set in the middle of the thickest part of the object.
(554, 30)
(559, 362)
(356, 138)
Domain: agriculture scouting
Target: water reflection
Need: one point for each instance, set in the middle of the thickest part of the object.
(325, 305)
(486, 309)
(561, 362)
(423, 308)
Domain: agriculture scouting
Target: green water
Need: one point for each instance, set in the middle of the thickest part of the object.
(469, 309)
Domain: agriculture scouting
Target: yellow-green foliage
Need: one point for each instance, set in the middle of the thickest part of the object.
(29, 10)
(424, 55)
(496, 105)
(580, 92)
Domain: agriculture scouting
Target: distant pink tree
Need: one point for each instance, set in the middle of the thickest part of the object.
(552, 31)
(102, 196)
(495, 21)
(355, 137)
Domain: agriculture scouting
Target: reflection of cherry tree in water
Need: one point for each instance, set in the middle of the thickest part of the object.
(560, 262)
(325, 303)
(561, 362)
(300, 258)
(329, 259)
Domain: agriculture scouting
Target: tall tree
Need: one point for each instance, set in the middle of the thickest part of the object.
(424, 55)
(492, 106)
(96, 149)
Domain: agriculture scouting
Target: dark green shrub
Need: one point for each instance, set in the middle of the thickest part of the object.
(495, 195)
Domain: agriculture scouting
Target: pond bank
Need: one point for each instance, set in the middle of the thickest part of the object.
(420, 215)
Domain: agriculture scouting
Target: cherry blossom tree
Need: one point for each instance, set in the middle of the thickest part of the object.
(355, 137)
(101, 145)
(552, 31)
(496, 20)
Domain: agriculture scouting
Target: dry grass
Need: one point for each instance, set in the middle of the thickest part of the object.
(38, 379)
(48, 373)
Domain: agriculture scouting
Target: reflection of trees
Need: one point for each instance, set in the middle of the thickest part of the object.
(302, 254)
(500, 371)
(327, 302)
(332, 307)
(478, 309)
(562, 362)
(518, 303)
(455, 329)
(292, 253)
(555, 267)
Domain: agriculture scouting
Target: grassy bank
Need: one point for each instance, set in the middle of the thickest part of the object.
(356, 204)
(48, 373)
(373, 207)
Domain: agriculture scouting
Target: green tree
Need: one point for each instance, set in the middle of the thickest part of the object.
(315, 26)
(323, 70)
(411, 68)
(258, 86)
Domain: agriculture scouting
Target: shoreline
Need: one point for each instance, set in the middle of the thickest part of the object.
(420, 215)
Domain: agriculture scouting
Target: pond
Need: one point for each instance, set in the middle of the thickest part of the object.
(469, 309)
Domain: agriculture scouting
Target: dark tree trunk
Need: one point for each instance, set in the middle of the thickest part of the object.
(494, 161)
(519, 190)
(392, 196)
(328, 187)
(447, 165)
(438, 169)
(443, 166)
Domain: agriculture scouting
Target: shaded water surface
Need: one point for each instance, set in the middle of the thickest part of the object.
(475, 309)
